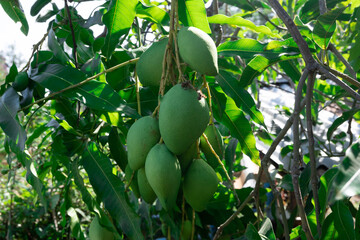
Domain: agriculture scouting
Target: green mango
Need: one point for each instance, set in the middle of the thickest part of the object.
(21, 81)
(134, 182)
(183, 117)
(200, 184)
(146, 191)
(141, 137)
(150, 65)
(198, 50)
(163, 172)
(186, 231)
(186, 158)
(98, 232)
(216, 141)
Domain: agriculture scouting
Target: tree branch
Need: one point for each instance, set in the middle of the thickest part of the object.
(294, 31)
(72, 33)
(314, 180)
(81, 83)
(351, 70)
(295, 171)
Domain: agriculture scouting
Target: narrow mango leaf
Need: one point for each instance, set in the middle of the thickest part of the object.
(241, 97)
(193, 13)
(31, 174)
(243, 4)
(56, 48)
(252, 233)
(118, 21)
(249, 48)
(9, 106)
(340, 120)
(310, 10)
(257, 65)
(95, 94)
(152, 13)
(325, 188)
(218, 98)
(110, 189)
(234, 119)
(241, 22)
(357, 225)
(328, 228)
(325, 27)
(37, 6)
(90, 202)
(266, 230)
(291, 70)
(343, 220)
(347, 181)
(76, 230)
(117, 149)
(14, 10)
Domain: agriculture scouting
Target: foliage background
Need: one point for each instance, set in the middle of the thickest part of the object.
(63, 155)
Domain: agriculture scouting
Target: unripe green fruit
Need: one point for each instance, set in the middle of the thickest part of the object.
(141, 137)
(134, 182)
(150, 65)
(200, 184)
(21, 81)
(98, 232)
(187, 229)
(183, 117)
(146, 191)
(186, 158)
(163, 172)
(198, 50)
(216, 141)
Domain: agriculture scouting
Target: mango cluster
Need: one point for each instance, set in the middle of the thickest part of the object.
(196, 49)
(163, 167)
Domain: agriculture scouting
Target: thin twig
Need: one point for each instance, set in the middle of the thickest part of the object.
(72, 34)
(322, 70)
(294, 31)
(35, 48)
(322, 7)
(218, 27)
(81, 83)
(351, 70)
(351, 80)
(295, 171)
(314, 180)
(223, 167)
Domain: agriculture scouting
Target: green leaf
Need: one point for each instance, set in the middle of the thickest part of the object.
(267, 230)
(234, 119)
(257, 65)
(243, 4)
(241, 22)
(357, 225)
(118, 21)
(37, 6)
(249, 48)
(252, 233)
(325, 188)
(14, 10)
(117, 149)
(152, 13)
(328, 230)
(291, 70)
(75, 226)
(119, 78)
(325, 27)
(56, 48)
(94, 94)
(110, 189)
(12, 74)
(310, 10)
(343, 220)
(9, 106)
(340, 120)
(347, 181)
(241, 97)
(193, 13)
